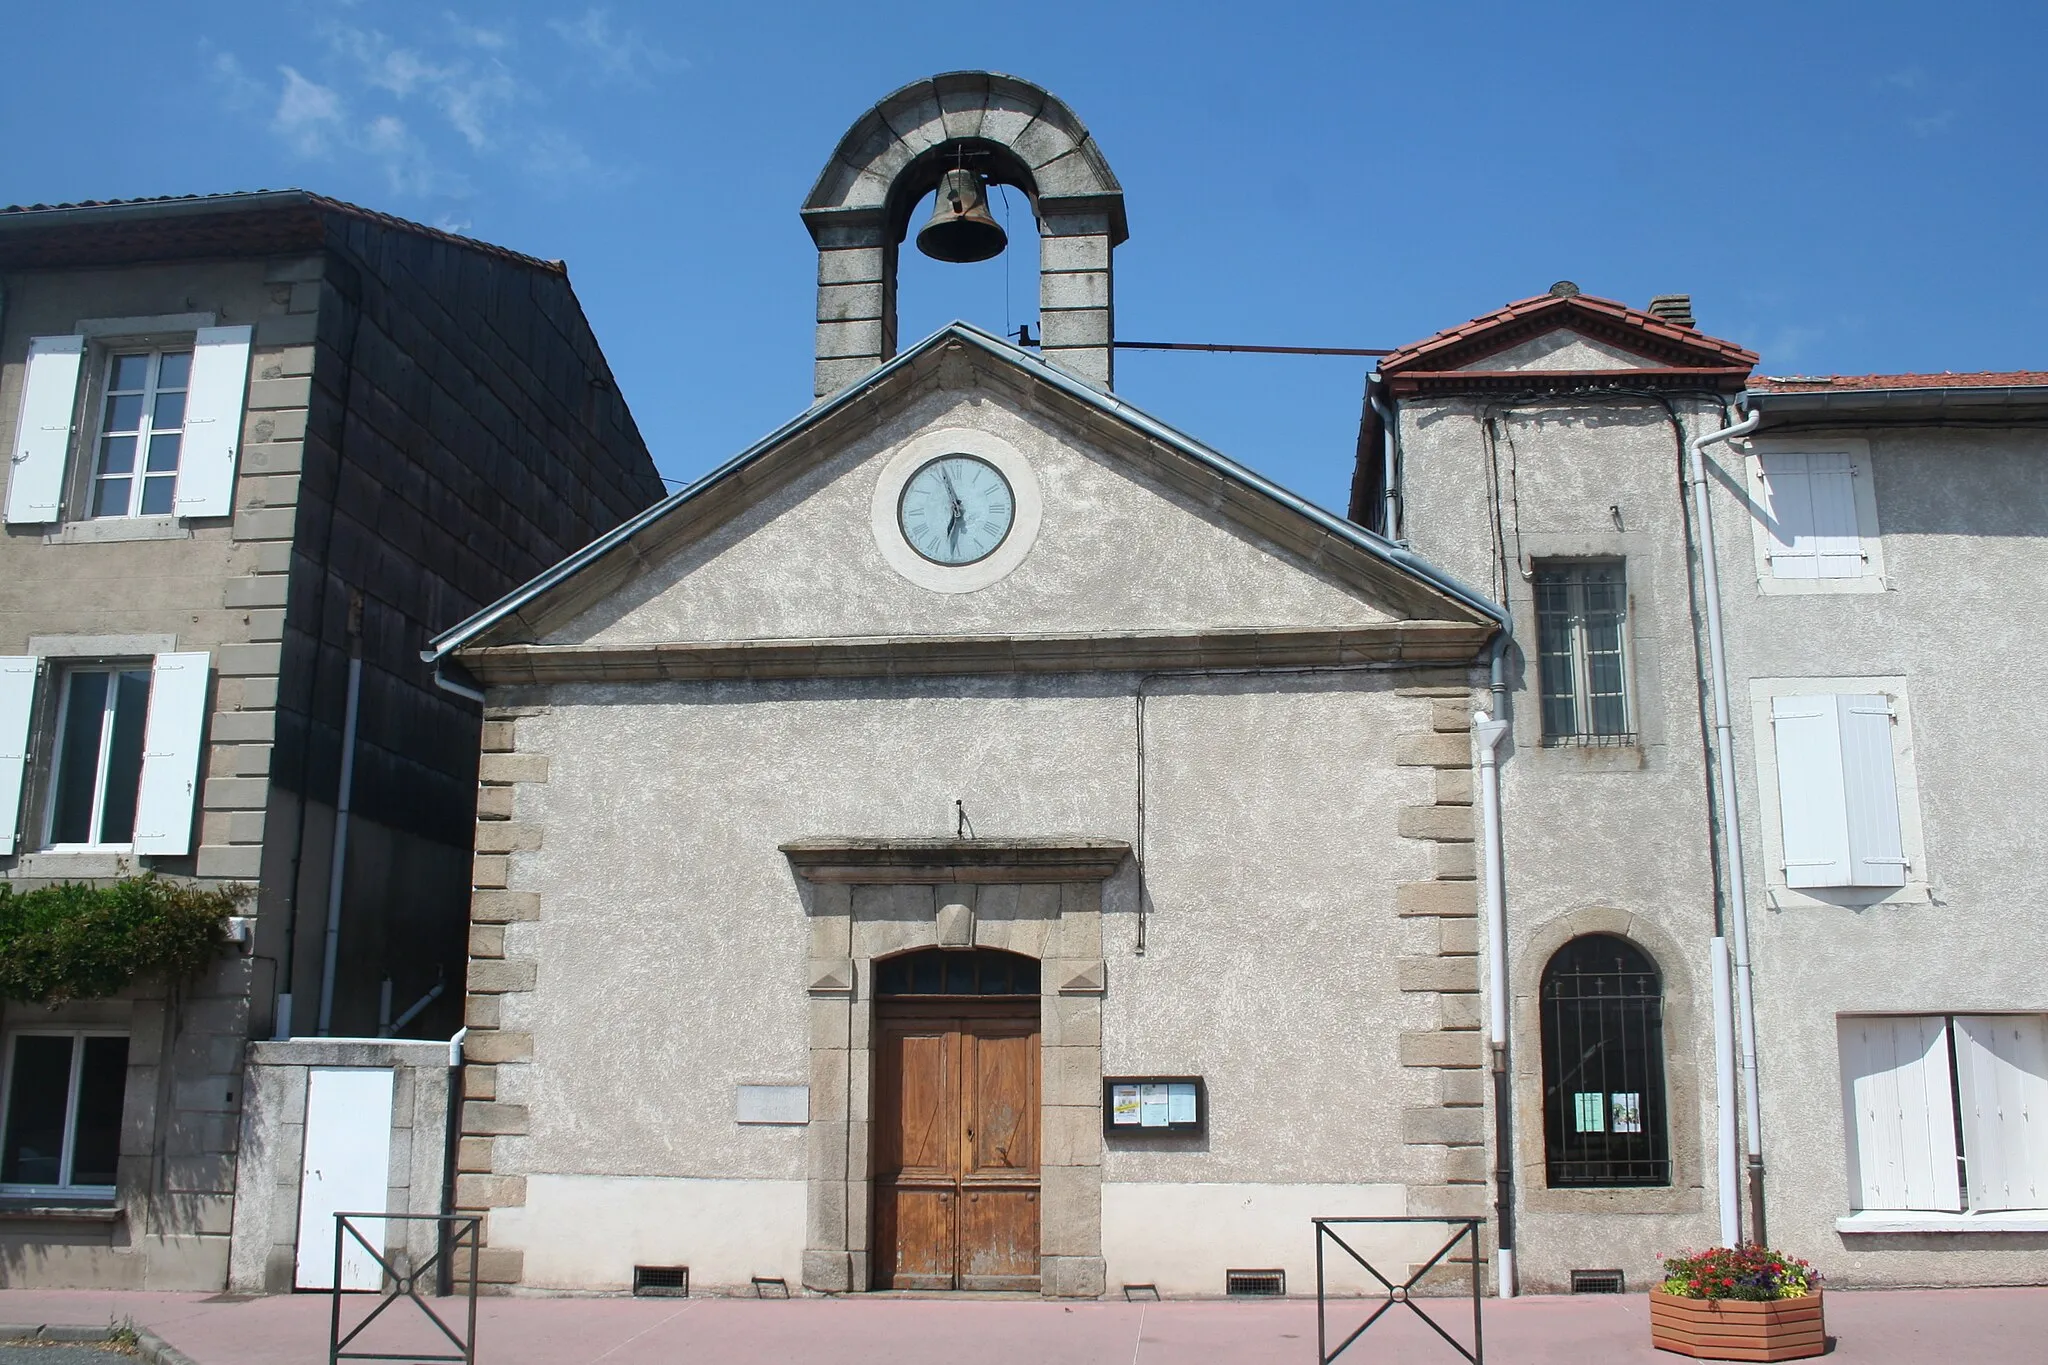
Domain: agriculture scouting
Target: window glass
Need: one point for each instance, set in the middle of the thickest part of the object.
(38, 1095)
(102, 1081)
(144, 412)
(1604, 1118)
(1581, 619)
(943, 971)
(78, 758)
(99, 757)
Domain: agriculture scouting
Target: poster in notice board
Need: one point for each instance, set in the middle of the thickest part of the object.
(1153, 1106)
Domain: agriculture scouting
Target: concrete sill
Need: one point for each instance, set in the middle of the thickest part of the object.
(1885, 1220)
(25, 1211)
(106, 530)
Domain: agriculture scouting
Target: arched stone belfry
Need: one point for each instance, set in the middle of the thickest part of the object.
(893, 156)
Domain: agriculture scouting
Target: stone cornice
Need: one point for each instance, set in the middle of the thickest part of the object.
(886, 656)
(931, 861)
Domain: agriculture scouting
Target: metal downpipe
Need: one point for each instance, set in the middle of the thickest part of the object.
(1731, 827)
(1490, 733)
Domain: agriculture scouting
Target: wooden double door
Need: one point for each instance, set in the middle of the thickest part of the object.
(955, 1141)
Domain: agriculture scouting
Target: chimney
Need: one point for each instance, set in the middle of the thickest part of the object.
(1675, 309)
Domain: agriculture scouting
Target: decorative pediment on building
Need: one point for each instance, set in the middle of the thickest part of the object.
(1567, 339)
(1133, 548)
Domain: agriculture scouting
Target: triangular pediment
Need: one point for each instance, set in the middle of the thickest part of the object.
(1135, 533)
(1565, 335)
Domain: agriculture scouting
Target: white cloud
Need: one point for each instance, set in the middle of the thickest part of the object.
(308, 116)
(1932, 124)
(238, 89)
(442, 96)
(616, 53)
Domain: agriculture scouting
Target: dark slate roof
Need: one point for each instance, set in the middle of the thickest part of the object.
(100, 231)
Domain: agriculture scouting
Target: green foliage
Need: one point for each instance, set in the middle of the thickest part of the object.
(1752, 1274)
(81, 942)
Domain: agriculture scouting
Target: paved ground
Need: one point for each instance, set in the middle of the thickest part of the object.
(1951, 1327)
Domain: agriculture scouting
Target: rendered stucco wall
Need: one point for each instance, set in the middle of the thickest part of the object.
(1962, 517)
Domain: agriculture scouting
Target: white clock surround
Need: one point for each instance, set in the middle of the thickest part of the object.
(914, 455)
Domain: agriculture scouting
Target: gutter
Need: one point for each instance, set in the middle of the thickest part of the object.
(1378, 546)
(1742, 1010)
(1881, 400)
(81, 215)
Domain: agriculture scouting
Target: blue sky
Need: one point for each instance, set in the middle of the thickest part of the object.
(1842, 187)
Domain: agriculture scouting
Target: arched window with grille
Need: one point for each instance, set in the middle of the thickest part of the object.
(1604, 1114)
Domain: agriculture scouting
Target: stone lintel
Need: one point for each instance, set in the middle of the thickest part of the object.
(939, 861)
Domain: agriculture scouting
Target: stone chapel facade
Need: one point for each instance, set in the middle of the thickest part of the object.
(908, 865)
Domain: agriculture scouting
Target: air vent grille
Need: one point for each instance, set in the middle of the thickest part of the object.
(661, 1281)
(1597, 1282)
(1255, 1284)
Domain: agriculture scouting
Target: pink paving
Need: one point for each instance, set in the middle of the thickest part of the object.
(1952, 1327)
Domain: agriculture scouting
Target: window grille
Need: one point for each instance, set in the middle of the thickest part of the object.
(954, 971)
(1598, 1282)
(1604, 1116)
(1255, 1284)
(661, 1281)
(1581, 644)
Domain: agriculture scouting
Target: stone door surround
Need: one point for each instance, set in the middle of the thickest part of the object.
(872, 898)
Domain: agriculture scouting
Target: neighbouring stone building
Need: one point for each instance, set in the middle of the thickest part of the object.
(261, 445)
(1875, 541)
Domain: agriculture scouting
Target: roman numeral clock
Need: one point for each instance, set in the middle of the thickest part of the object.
(956, 510)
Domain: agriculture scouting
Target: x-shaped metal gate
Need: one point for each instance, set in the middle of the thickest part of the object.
(455, 1229)
(1397, 1293)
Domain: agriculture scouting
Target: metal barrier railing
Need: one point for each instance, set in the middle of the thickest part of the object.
(453, 1229)
(1397, 1293)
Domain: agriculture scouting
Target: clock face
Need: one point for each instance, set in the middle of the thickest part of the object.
(956, 510)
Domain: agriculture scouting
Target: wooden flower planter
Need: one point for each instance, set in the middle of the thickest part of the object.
(1726, 1329)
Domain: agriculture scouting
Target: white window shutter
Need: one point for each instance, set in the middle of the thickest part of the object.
(1812, 807)
(2002, 1075)
(42, 436)
(17, 700)
(1788, 514)
(170, 754)
(1895, 1085)
(213, 422)
(1831, 493)
(1870, 791)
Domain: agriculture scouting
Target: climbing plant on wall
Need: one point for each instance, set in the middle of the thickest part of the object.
(85, 942)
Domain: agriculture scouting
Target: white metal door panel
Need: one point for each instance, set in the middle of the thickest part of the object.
(2002, 1074)
(347, 1169)
(42, 438)
(1895, 1082)
(1812, 810)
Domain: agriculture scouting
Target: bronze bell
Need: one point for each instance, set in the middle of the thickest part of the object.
(961, 229)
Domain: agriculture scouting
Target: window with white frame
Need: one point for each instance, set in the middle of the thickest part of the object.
(142, 426)
(111, 748)
(1582, 651)
(161, 436)
(1839, 814)
(61, 1134)
(97, 770)
(1946, 1113)
(1816, 516)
